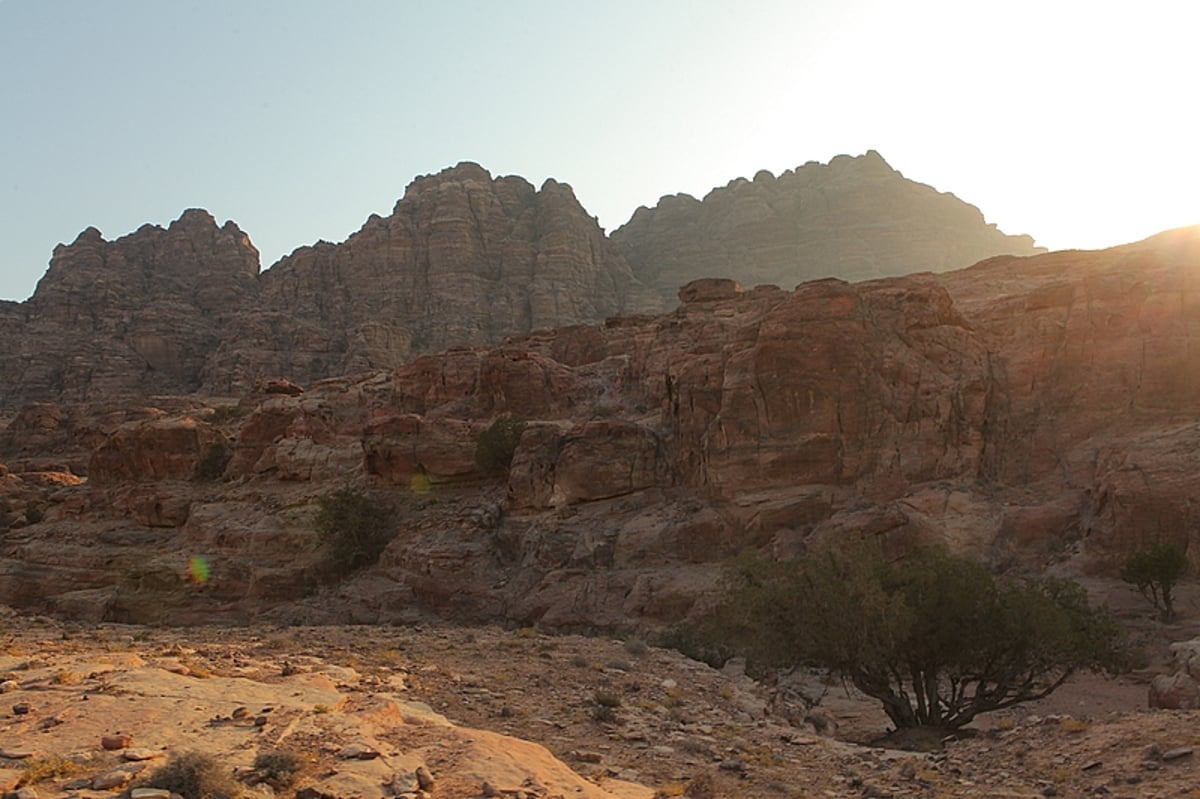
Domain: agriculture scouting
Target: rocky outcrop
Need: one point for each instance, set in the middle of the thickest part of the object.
(854, 218)
(1098, 380)
(1026, 410)
(464, 259)
(129, 318)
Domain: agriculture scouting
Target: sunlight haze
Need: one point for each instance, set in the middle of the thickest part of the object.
(1073, 122)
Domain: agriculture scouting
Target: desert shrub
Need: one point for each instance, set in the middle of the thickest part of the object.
(279, 768)
(354, 529)
(495, 446)
(636, 647)
(1154, 571)
(212, 465)
(935, 638)
(194, 775)
(607, 699)
(694, 640)
(50, 767)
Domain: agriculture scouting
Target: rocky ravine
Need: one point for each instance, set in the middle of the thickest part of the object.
(1033, 413)
(464, 259)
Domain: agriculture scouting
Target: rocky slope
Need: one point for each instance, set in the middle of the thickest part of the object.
(1030, 412)
(854, 218)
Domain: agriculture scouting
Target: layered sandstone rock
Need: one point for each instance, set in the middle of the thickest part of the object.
(855, 218)
(463, 259)
(1037, 410)
(133, 317)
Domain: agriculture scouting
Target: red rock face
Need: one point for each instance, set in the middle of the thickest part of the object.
(162, 449)
(854, 218)
(1024, 409)
(1098, 380)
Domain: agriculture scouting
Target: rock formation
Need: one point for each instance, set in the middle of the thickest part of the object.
(855, 218)
(463, 259)
(1026, 409)
(133, 317)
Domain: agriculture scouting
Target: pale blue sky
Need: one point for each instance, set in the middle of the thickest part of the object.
(1074, 122)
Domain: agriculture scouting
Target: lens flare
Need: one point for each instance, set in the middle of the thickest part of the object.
(198, 570)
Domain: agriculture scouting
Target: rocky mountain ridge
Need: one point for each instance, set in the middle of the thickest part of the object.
(464, 259)
(855, 218)
(1031, 412)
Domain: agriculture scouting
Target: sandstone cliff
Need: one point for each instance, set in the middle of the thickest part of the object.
(463, 259)
(855, 218)
(133, 317)
(1036, 410)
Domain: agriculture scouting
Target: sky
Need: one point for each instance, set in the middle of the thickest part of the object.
(1074, 122)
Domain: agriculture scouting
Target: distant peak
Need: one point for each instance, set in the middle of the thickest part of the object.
(870, 161)
(196, 216)
(89, 235)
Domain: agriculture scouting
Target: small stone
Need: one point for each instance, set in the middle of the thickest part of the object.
(110, 780)
(1049, 790)
(1177, 753)
(732, 764)
(21, 708)
(424, 778)
(358, 751)
(240, 712)
(260, 721)
(584, 756)
(488, 789)
(8, 686)
(1091, 765)
(16, 754)
(138, 755)
(150, 793)
(115, 741)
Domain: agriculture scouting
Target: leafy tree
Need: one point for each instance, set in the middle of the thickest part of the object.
(496, 445)
(354, 529)
(934, 637)
(1154, 571)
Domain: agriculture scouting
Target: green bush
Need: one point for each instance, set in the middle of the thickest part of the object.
(495, 447)
(934, 637)
(354, 529)
(1154, 571)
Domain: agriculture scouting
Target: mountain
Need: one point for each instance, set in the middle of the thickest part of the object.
(1035, 411)
(854, 218)
(464, 259)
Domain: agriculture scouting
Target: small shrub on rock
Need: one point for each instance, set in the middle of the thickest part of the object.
(194, 775)
(496, 445)
(354, 529)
